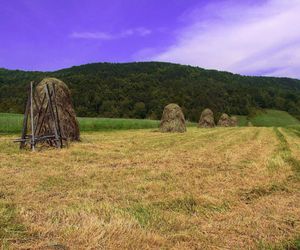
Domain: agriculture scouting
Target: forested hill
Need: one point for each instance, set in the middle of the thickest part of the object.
(141, 90)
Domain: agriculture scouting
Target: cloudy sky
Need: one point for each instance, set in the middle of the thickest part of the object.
(251, 37)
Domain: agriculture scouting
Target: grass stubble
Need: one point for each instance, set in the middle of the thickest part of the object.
(224, 188)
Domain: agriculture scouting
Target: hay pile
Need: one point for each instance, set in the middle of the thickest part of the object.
(234, 121)
(67, 117)
(224, 121)
(207, 119)
(172, 119)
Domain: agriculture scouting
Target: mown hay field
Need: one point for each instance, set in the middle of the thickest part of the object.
(223, 188)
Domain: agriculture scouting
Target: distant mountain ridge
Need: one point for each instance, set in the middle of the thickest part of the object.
(141, 90)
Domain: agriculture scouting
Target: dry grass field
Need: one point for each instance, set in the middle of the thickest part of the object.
(223, 188)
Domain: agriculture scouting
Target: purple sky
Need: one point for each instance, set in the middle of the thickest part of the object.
(256, 37)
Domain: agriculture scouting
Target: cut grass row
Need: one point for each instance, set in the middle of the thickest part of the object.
(12, 123)
(285, 153)
(10, 227)
(204, 189)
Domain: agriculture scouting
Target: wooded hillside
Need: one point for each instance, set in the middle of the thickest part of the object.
(141, 90)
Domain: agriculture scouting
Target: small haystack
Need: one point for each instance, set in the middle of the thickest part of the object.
(66, 114)
(234, 121)
(207, 119)
(224, 121)
(172, 119)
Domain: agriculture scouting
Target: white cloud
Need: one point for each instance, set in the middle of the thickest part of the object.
(107, 36)
(92, 35)
(143, 31)
(247, 39)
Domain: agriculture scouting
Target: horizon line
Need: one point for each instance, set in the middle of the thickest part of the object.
(133, 62)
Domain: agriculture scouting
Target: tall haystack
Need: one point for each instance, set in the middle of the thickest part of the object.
(207, 119)
(224, 121)
(234, 121)
(172, 119)
(67, 118)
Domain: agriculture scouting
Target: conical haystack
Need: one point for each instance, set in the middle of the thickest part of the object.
(66, 114)
(172, 119)
(234, 121)
(207, 119)
(224, 121)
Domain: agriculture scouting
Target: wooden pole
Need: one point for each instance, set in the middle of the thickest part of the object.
(43, 115)
(38, 129)
(39, 113)
(31, 117)
(57, 116)
(25, 121)
(53, 116)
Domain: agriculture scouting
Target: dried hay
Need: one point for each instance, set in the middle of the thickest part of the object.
(67, 117)
(172, 119)
(224, 121)
(207, 119)
(234, 121)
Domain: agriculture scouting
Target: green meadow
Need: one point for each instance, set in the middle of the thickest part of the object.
(269, 118)
(12, 123)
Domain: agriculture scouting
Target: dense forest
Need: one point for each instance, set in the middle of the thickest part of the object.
(141, 90)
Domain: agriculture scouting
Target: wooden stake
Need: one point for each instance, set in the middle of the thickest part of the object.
(25, 121)
(38, 129)
(37, 119)
(39, 114)
(31, 117)
(57, 116)
(57, 139)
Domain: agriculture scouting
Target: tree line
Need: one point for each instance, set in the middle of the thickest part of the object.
(141, 90)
